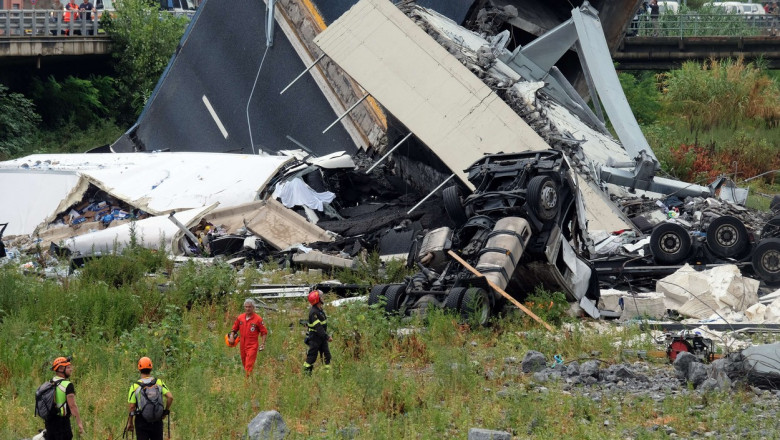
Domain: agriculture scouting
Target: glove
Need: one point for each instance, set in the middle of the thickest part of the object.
(166, 412)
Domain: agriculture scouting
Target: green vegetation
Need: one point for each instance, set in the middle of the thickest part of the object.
(17, 123)
(713, 118)
(69, 115)
(143, 41)
(438, 381)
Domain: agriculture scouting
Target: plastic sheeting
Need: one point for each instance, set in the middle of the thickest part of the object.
(297, 193)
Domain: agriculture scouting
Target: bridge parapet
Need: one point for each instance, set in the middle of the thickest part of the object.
(48, 22)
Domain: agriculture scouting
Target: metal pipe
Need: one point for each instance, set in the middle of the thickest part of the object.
(388, 153)
(346, 113)
(269, 24)
(183, 228)
(302, 73)
(430, 194)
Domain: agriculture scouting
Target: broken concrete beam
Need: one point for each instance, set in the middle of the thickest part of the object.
(643, 305)
(276, 225)
(682, 285)
(319, 260)
(487, 434)
(730, 288)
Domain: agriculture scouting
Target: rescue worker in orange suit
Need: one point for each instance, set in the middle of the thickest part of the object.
(249, 325)
(317, 338)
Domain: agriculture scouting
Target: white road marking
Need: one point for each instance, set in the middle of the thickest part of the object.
(215, 117)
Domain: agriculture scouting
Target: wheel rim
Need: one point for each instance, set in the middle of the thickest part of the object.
(770, 261)
(670, 243)
(549, 199)
(727, 235)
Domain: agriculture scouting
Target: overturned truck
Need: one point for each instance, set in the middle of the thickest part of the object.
(520, 228)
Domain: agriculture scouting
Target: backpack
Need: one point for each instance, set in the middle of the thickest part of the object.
(149, 401)
(45, 402)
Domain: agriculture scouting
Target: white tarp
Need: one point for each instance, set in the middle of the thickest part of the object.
(150, 233)
(157, 183)
(28, 197)
(296, 192)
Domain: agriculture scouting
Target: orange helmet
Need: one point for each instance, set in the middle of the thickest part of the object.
(315, 297)
(60, 362)
(235, 341)
(144, 363)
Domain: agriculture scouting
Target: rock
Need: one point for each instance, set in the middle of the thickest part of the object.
(540, 377)
(697, 374)
(573, 369)
(486, 434)
(533, 362)
(267, 425)
(682, 364)
(349, 433)
(590, 369)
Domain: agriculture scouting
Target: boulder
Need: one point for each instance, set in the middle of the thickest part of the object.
(267, 425)
(533, 362)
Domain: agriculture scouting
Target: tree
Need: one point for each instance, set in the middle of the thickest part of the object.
(144, 39)
(18, 123)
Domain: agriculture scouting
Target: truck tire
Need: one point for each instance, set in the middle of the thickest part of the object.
(542, 197)
(453, 205)
(475, 306)
(396, 295)
(727, 237)
(377, 292)
(766, 260)
(454, 298)
(670, 243)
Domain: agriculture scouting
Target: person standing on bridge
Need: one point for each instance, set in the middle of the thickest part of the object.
(654, 13)
(87, 7)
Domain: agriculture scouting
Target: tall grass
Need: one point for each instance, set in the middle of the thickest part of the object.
(435, 381)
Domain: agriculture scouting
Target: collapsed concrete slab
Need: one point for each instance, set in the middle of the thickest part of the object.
(271, 221)
(440, 100)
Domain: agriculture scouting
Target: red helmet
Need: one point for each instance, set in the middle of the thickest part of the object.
(144, 363)
(60, 362)
(315, 297)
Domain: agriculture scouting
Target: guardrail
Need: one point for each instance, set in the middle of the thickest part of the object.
(705, 25)
(43, 22)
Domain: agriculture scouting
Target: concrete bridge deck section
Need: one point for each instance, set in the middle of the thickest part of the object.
(664, 53)
(28, 50)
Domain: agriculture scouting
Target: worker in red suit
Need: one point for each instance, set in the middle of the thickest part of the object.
(249, 325)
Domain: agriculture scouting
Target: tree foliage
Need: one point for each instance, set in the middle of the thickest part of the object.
(73, 100)
(18, 123)
(144, 39)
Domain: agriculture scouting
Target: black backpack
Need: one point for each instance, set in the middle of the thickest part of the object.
(45, 402)
(149, 401)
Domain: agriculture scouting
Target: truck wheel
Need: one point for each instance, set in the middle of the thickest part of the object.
(453, 300)
(771, 228)
(475, 306)
(766, 260)
(453, 206)
(377, 292)
(542, 197)
(670, 243)
(396, 295)
(727, 237)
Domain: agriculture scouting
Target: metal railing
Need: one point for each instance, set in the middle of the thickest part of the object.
(42, 22)
(705, 25)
